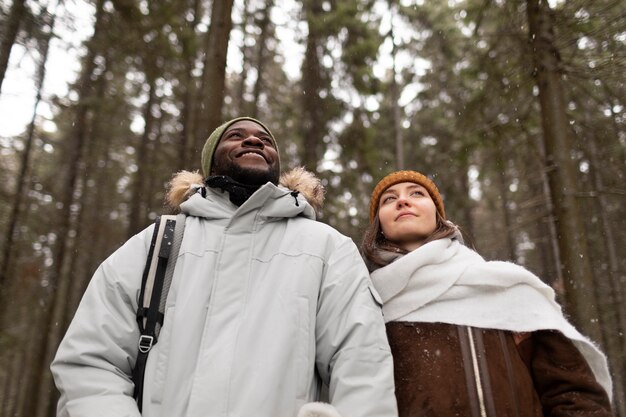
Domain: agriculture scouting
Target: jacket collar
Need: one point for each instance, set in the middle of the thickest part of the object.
(270, 202)
(299, 193)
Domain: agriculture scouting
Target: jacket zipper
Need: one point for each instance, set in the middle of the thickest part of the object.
(483, 365)
(479, 387)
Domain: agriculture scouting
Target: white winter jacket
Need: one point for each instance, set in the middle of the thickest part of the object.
(266, 305)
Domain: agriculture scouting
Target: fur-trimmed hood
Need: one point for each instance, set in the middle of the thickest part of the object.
(186, 183)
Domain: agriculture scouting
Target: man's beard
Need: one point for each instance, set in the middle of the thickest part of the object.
(249, 176)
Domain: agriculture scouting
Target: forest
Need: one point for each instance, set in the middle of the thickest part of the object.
(515, 108)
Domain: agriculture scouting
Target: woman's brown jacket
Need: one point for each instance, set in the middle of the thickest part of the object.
(445, 370)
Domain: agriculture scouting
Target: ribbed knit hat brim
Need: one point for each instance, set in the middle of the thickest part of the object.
(214, 138)
(406, 176)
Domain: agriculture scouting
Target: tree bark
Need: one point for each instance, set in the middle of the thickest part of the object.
(396, 110)
(467, 224)
(187, 121)
(24, 403)
(264, 26)
(137, 215)
(212, 90)
(551, 244)
(89, 164)
(246, 51)
(313, 125)
(42, 388)
(9, 35)
(613, 308)
(502, 184)
(12, 382)
(22, 179)
(562, 175)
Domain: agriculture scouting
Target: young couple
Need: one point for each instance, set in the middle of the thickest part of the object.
(272, 314)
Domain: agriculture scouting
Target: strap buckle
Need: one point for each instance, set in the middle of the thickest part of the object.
(145, 343)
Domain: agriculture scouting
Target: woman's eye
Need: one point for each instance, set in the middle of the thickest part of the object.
(387, 199)
(421, 193)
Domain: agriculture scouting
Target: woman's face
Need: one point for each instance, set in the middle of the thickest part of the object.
(407, 215)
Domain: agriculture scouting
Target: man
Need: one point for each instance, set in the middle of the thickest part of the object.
(266, 306)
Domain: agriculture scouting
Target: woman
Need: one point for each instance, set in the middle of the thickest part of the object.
(470, 337)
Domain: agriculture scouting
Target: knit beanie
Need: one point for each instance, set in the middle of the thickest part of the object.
(406, 176)
(211, 143)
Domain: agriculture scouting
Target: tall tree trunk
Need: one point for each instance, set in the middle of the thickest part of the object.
(502, 184)
(613, 308)
(139, 197)
(92, 227)
(467, 222)
(22, 179)
(9, 35)
(551, 243)
(246, 51)
(95, 232)
(562, 173)
(42, 388)
(187, 120)
(24, 402)
(155, 178)
(264, 26)
(313, 125)
(395, 105)
(84, 220)
(617, 283)
(543, 226)
(12, 382)
(213, 86)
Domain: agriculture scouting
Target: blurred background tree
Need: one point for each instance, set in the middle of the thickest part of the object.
(516, 109)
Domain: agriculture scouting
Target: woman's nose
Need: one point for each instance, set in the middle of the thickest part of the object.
(402, 201)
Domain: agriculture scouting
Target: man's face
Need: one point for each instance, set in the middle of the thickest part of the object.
(247, 153)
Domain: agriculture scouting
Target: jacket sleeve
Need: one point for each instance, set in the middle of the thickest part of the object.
(353, 356)
(94, 361)
(564, 381)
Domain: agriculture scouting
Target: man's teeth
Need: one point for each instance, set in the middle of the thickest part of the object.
(254, 154)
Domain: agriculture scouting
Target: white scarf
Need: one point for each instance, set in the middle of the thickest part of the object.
(446, 282)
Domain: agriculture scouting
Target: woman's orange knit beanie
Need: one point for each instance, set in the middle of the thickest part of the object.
(406, 176)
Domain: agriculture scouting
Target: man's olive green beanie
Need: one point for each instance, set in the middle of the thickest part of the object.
(211, 143)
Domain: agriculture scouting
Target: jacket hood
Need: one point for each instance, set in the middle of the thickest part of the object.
(184, 184)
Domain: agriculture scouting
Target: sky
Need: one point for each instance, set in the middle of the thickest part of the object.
(18, 89)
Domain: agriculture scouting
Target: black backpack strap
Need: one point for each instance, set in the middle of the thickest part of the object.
(155, 284)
